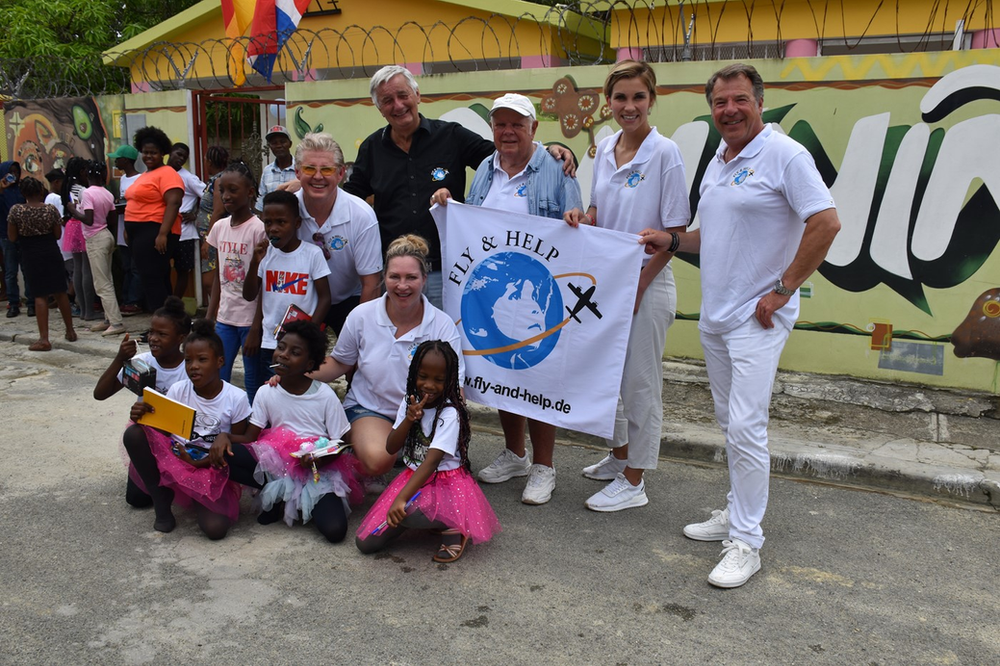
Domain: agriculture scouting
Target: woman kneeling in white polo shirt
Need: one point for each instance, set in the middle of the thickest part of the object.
(380, 337)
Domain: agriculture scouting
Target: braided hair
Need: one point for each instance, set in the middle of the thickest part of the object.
(451, 397)
(240, 167)
(204, 330)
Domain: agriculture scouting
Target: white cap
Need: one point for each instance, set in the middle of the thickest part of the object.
(518, 103)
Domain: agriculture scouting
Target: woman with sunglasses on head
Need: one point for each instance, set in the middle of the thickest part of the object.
(343, 226)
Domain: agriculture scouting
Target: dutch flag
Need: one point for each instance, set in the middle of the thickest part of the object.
(274, 21)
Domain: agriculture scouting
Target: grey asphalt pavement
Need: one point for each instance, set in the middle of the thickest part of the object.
(848, 577)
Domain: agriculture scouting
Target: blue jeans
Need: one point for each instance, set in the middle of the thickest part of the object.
(12, 262)
(262, 361)
(131, 289)
(233, 338)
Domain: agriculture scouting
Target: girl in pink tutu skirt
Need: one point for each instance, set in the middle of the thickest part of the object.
(436, 490)
(300, 412)
(166, 469)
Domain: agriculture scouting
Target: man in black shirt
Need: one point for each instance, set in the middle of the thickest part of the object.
(405, 162)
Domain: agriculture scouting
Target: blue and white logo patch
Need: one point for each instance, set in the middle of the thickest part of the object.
(740, 177)
(438, 174)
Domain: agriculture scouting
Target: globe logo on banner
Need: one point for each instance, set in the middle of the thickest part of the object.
(512, 310)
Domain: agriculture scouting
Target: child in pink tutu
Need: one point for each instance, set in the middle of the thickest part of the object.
(166, 469)
(299, 411)
(436, 490)
(167, 330)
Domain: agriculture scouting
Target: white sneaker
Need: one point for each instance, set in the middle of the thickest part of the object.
(618, 495)
(541, 483)
(739, 562)
(715, 528)
(606, 470)
(505, 467)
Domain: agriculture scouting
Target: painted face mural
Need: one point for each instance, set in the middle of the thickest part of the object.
(45, 134)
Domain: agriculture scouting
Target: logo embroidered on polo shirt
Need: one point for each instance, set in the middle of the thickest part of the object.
(522, 191)
(740, 176)
(338, 242)
(634, 178)
(438, 173)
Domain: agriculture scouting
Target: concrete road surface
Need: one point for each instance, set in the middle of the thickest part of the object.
(848, 577)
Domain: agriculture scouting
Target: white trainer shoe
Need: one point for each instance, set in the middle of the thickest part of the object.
(739, 562)
(541, 483)
(606, 470)
(715, 528)
(506, 466)
(618, 495)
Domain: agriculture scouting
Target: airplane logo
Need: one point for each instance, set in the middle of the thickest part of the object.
(583, 299)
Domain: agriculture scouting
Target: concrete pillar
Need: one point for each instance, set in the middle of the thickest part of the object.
(801, 48)
(630, 52)
(540, 61)
(986, 39)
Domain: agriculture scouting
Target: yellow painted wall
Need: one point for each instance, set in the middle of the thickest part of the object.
(835, 98)
(359, 40)
(635, 25)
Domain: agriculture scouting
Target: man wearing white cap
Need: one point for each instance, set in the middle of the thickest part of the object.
(520, 177)
(404, 163)
(282, 169)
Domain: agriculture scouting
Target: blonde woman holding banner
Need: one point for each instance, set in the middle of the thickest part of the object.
(638, 183)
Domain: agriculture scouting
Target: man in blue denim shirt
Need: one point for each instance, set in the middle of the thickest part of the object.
(520, 177)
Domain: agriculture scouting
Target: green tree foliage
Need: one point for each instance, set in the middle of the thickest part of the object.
(43, 39)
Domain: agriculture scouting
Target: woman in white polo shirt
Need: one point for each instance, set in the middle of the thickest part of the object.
(638, 181)
(380, 337)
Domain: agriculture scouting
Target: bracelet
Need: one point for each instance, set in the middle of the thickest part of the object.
(675, 242)
(593, 222)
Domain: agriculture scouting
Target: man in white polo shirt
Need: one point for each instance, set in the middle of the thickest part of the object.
(343, 226)
(519, 177)
(767, 222)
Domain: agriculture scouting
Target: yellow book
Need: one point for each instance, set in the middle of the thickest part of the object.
(168, 414)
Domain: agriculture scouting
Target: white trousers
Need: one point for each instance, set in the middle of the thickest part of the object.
(741, 367)
(639, 416)
(100, 251)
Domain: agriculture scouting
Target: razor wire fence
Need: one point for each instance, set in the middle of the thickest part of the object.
(577, 33)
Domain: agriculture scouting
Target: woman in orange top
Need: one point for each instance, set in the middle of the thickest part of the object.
(152, 216)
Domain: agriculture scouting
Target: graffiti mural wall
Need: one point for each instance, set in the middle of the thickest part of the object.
(44, 134)
(909, 144)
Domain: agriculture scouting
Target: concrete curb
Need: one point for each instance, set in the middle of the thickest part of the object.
(835, 464)
(952, 473)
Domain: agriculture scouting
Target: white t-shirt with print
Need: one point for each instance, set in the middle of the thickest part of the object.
(211, 416)
(369, 339)
(288, 278)
(165, 377)
(123, 184)
(316, 413)
(445, 437)
(235, 246)
(751, 213)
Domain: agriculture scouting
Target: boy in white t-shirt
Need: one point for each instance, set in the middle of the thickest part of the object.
(287, 273)
(124, 160)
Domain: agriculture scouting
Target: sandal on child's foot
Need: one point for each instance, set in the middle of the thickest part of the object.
(452, 546)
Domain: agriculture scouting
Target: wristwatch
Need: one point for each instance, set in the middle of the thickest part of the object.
(781, 289)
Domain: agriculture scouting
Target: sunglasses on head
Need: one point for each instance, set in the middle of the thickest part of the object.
(311, 169)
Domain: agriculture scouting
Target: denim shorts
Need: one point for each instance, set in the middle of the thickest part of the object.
(355, 412)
